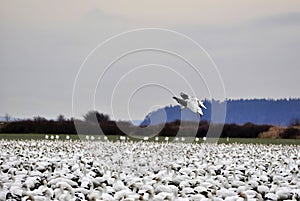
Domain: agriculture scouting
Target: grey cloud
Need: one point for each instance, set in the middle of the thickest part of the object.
(283, 19)
(256, 58)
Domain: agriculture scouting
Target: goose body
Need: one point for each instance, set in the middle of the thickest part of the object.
(193, 103)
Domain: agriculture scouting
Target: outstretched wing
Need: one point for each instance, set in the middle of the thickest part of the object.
(180, 101)
(201, 104)
(184, 96)
(200, 112)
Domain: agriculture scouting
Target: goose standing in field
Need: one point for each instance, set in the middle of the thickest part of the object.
(146, 170)
(193, 103)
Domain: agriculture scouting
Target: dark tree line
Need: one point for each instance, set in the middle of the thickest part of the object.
(95, 116)
(93, 119)
(247, 130)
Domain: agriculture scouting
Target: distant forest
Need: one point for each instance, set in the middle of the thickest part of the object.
(42, 125)
(257, 111)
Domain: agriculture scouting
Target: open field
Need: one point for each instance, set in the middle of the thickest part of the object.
(126, 170)
(160, 139)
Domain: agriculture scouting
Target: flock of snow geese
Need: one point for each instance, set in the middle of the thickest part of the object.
(125, 170)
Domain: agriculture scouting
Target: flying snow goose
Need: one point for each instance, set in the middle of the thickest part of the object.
(193, 103)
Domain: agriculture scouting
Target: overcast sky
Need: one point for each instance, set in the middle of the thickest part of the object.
(255, 45)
